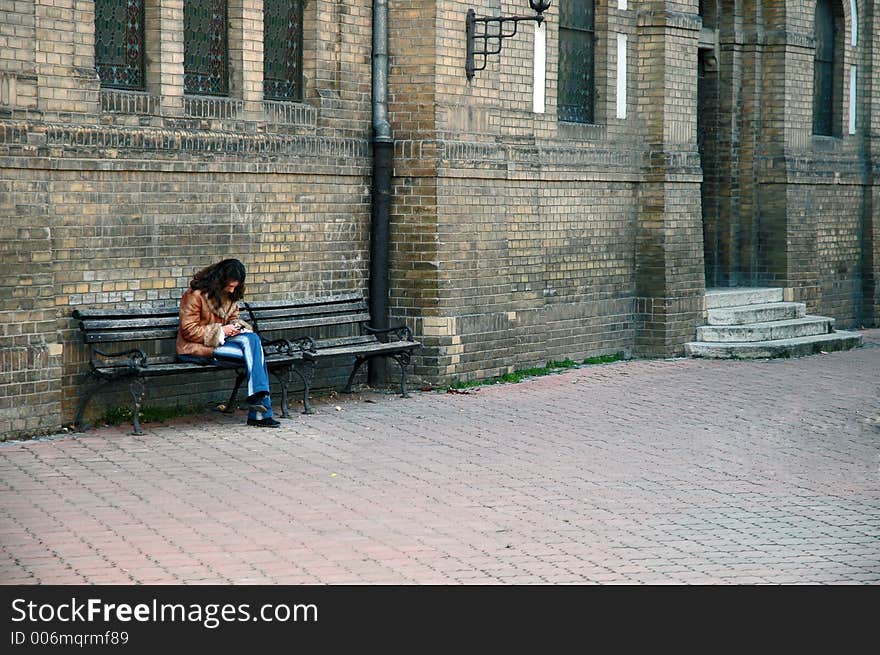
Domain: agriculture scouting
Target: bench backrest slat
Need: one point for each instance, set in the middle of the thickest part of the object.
(297, 323)
(160, 322)
(127, 313)
(91, 325)
(325, 302)
(290, 311)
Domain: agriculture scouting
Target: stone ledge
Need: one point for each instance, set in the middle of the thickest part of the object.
(797, 347)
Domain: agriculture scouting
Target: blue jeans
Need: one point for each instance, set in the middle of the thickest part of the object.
(247, 347)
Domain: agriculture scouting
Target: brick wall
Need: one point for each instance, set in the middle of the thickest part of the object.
(115, 198)
(516, 238)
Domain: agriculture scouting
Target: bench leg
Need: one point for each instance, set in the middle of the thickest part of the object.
(358, 362)
(78, 422)
(402, 360)
(230, 405)
(136, 388)
(306, 375)
(283, 377)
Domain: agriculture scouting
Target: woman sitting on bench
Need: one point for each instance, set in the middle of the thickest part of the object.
(211, 331)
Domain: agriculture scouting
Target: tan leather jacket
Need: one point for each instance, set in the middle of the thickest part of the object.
(201, 324)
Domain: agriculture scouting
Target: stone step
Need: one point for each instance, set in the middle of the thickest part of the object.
(758, 313)
(797, 347)
(790, 329)
(736, 296)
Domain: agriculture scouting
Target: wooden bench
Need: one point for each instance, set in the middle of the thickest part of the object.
(330, 323)
(119, 338)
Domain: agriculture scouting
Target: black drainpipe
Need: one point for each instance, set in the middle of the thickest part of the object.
(383, 150)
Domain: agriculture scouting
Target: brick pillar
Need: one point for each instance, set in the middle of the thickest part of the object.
(417, 272)
(246, 54)
(868, 123)
(65, 56)
(30, 351)
(18, 71)
(669, 252)
(163, 24)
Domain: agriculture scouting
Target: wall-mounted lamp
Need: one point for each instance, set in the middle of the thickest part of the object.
(491, 40)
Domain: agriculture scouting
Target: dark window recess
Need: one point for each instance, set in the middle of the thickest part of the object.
(823, 70)
(282, 49)
(205, 47)
(119, 43)
(576, 61)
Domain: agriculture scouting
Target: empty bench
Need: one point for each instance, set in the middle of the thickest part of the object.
(118, 341)
(338, 326)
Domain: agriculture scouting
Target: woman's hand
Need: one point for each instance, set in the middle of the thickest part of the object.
(231, 330)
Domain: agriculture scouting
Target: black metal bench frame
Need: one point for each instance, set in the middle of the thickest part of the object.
(315, 314)
(121, 327)
(300, 355)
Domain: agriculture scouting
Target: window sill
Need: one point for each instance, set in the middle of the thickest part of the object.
(289, 112)
(212, 107)
(826, 143)
(581, 131)
(123, 101)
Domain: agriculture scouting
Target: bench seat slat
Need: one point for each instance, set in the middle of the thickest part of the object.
(114, 336)
(157, 368)
(344, 341)
(369, 349)
(110, 336)
(157, 365)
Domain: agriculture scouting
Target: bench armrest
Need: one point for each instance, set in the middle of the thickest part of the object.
(306, 345)
(137, 358)
(402, 332)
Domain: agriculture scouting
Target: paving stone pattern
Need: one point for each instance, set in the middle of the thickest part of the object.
(648, 471)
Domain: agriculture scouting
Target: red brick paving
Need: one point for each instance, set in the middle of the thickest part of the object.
(649, 471)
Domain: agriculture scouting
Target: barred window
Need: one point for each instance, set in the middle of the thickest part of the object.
(205, 47)
(119, 43)
(282, 49)
(576, 61)
(827, 69)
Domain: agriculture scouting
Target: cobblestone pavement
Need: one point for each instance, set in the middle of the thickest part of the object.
(647, 471)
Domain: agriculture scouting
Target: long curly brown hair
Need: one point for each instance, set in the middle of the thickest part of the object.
(212, 279)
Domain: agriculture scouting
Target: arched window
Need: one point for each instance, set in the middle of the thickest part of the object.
(282, 49)
(576, 61)
(828, 68)
(119, 43)
(205, 47)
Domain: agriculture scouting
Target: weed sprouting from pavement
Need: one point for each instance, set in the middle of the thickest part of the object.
(524, 374)
(148, 414)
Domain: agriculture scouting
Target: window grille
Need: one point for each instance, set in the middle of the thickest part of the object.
(119, 43)
(282, 49)
(576, 61)
(205, 47)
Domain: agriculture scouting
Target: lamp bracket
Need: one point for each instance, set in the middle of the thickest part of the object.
(490, 40)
